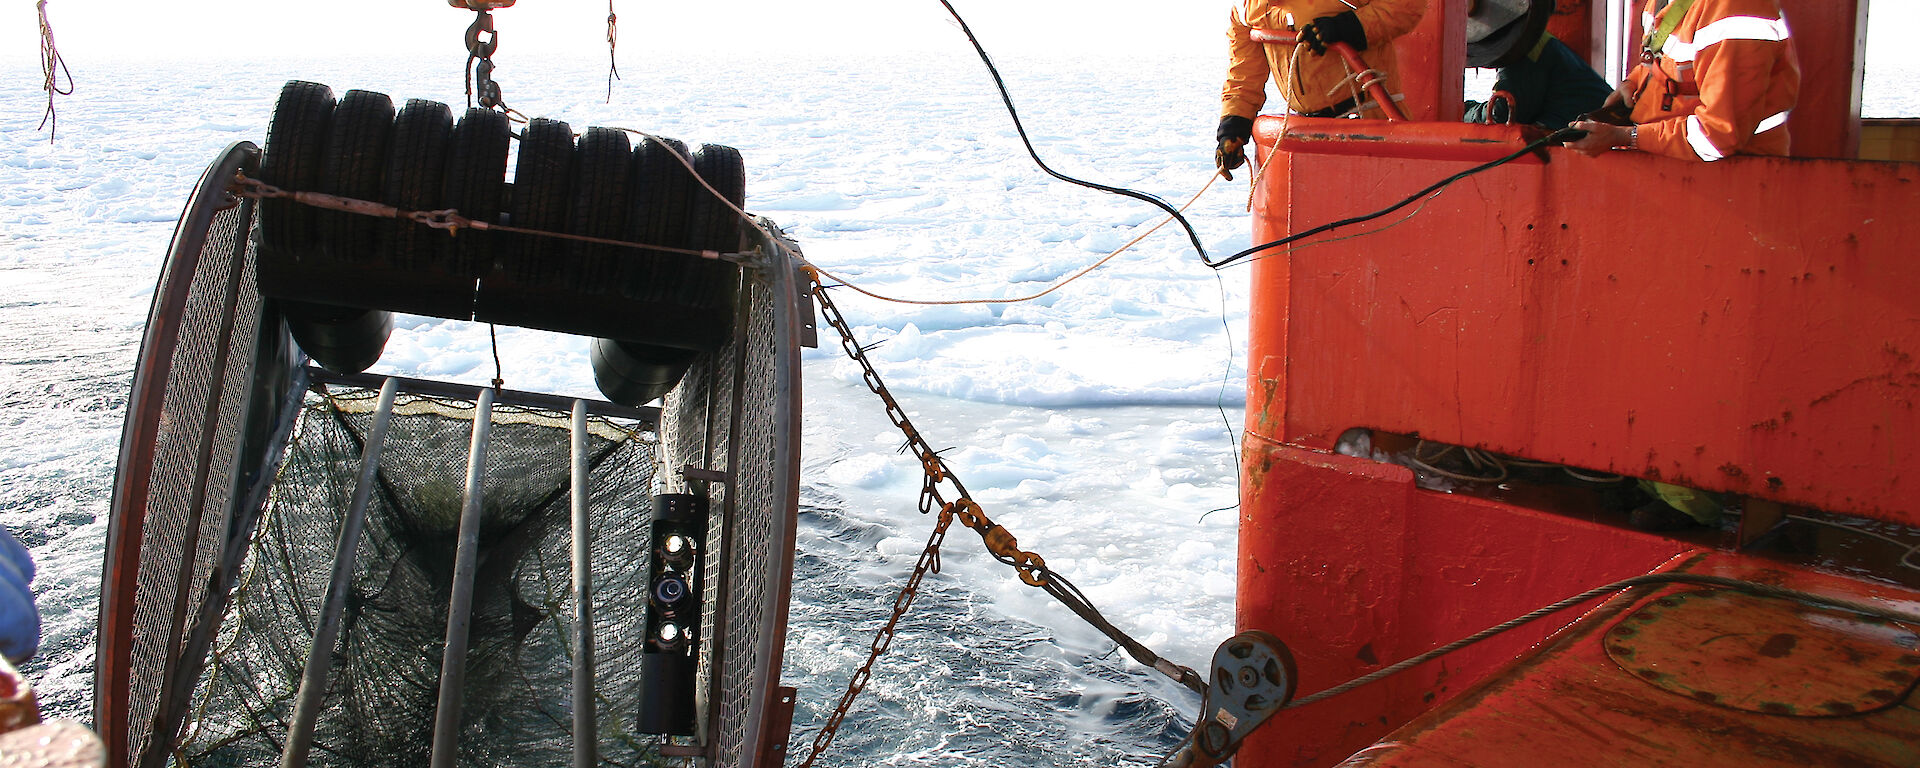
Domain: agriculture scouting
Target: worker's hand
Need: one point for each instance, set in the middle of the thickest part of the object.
(1233, 135)
(1622, 95)
(1600, 137)
(1342, 27)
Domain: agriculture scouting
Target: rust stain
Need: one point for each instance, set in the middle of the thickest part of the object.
(1779, 646)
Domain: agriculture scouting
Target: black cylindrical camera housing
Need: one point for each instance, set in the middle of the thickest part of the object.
(675, 579)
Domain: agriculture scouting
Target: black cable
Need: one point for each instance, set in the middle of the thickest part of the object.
(1562, 135)
(1022, 130)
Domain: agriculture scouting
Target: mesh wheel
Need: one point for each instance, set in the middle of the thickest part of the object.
(296, 150)
(415, 163)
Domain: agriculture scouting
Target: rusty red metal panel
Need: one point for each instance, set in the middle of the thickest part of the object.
(1705, 324)
(1570, 703)
(1831, 36)
(1355, 568)
(1427, 141)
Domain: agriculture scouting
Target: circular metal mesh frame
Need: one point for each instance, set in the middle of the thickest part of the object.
(185, 672)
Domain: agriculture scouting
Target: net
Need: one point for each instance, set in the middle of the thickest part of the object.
(379, 709)
(235, 477)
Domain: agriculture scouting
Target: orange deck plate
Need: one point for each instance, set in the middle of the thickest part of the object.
(1569, 704)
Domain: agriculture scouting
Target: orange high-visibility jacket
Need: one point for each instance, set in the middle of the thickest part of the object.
(1722, 84)
(1307, 89)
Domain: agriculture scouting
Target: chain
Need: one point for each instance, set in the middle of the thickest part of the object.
(1000, 543)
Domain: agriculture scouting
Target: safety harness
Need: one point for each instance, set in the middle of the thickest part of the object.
(1656, 40)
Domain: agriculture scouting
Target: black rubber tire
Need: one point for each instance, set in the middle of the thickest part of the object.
(355, 166)
(295, 152)
(542, 181)
(634, 374)
(340, 339)
(662, 189)
(416, 162)
(475, 185)
(598, 208)
(722, 167)
(715, 226)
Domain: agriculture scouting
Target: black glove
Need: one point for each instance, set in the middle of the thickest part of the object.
(1233, 135)
(1342, 27)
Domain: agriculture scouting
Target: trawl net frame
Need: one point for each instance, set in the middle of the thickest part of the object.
(379, 707)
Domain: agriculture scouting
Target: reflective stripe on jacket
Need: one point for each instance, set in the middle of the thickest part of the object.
(1723, 83)
(1253, 63)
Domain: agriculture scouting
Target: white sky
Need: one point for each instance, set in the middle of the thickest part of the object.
(257, 29)
(264, 28)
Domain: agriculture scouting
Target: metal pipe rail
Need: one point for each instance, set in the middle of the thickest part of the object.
(447, 389)
(314, 678)
(453, 661)
(586, 752)
(1373, 85)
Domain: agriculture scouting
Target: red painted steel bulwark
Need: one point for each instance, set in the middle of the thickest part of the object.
(1746, 326)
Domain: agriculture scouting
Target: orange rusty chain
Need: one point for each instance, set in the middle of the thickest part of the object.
(1000, 543)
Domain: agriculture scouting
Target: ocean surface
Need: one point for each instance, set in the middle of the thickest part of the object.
(1097, 423)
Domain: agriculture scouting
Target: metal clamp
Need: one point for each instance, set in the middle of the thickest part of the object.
(1253, 677)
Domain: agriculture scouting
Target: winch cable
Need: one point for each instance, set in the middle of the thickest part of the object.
(1642, 581)
(1562, 135)
(1062, 283)
(1020, 128)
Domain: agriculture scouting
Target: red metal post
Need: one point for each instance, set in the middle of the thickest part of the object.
(1373, 85)
(1831, 38)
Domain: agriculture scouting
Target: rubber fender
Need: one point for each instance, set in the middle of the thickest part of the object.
(632, 374)
(340, 339)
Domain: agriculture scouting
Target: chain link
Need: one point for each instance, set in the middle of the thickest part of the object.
(1000, 543)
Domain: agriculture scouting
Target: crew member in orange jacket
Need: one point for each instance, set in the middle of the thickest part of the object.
(1312, 81)
(1719, 83)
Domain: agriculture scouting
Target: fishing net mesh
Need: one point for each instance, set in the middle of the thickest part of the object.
(188, 490)
(379, 709)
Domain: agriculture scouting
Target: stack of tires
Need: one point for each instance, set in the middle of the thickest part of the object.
(340, 276)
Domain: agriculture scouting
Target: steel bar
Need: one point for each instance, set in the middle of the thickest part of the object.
(453, 661)
(449, 389)
(313, 681)
(585, 730)
(1374, 86)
